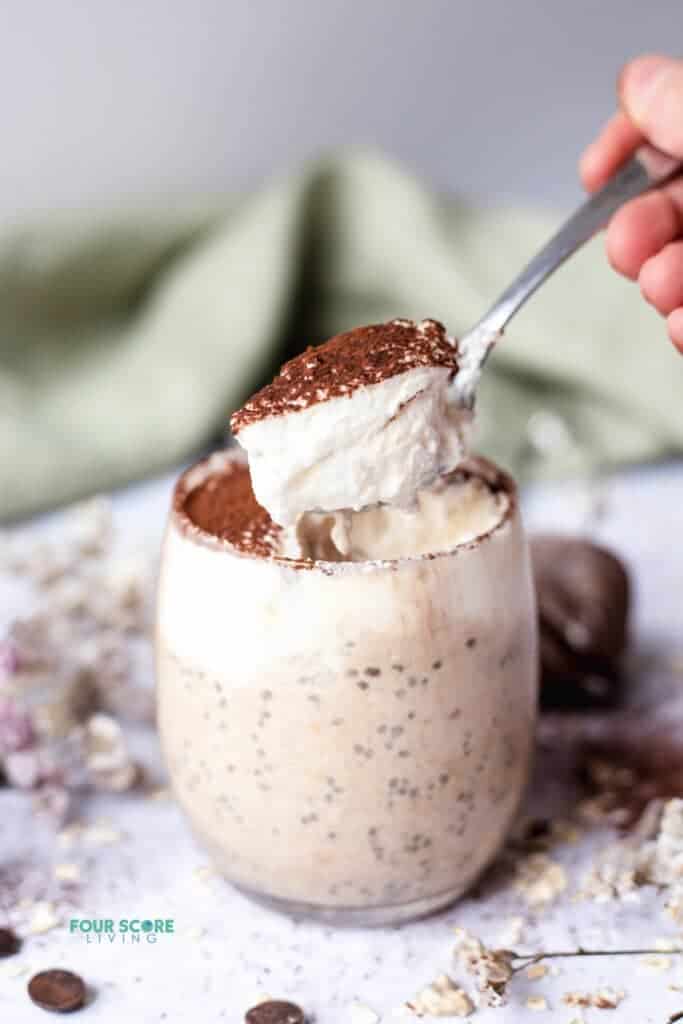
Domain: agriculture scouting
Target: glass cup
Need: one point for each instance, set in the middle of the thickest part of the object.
(350, 741)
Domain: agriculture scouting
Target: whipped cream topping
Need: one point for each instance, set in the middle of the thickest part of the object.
(460, 507)
(362, 420)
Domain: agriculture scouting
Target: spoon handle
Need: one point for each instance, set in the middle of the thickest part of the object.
(647, 169)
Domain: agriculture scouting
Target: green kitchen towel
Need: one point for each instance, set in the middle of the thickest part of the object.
(124, 346)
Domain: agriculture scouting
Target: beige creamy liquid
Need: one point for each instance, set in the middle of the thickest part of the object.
(357, 737)
(387, 784)
(446, 514)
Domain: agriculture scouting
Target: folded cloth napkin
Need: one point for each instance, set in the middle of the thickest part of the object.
(124, 346)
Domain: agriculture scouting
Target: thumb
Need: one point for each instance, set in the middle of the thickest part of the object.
(651, 91)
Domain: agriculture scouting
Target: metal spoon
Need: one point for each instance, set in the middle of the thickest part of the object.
(647, 169)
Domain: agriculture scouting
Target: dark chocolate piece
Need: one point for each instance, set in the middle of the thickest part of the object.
(57, 990)
(275, 1011)
(9, 942)
(583, 595)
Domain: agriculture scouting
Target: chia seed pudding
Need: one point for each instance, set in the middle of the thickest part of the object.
(348, 738)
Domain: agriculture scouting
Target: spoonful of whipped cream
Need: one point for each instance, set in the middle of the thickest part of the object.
(366, 418)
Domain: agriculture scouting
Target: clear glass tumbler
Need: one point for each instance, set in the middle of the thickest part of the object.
(350, 741)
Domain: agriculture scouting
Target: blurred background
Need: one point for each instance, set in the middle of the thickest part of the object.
(163, 219)
(106, 102)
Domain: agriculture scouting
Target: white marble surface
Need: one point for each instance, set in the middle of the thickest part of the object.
(227, 951)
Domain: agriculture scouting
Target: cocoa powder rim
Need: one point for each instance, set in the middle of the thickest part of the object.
(336, 369)
(221, 461)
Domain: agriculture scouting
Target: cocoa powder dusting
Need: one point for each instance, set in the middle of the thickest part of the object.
(359, 358)
(224, 505)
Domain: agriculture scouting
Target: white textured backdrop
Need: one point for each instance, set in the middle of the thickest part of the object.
(113, 102)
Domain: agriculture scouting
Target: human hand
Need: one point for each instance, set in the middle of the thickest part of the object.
(645, 237)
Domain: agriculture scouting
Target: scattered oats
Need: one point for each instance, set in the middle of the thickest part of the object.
(656, 963)
(607, 999)
(107, 758)
(91, 525)
(648, 824)
(67, 872)
(12, 969)
(540, 879)
(125, 579)
(69, 595)
(360, 1014)
(160, 793)
(613, 876)
(674, 903)
(604, 999)
(651, 855)
(68, 836)
(43, 919)
(675, 988)
(101, 834)
(537, 1003)
(441, 999)
(665, 862)
(666, 944)
(512, 933)
(536, 971)
(577, 999)
(204, 873)
(81, 649)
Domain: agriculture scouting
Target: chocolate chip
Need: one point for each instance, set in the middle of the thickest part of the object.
(9, 942)
(57, 990)
(583, 598)
(275, 1011)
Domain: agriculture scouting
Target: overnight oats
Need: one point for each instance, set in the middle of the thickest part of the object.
(347, 696)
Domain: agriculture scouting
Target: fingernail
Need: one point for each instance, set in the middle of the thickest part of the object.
(640, 81)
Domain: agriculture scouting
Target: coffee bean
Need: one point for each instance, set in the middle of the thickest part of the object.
(60, 991)
(275, 1011)
(9, 942)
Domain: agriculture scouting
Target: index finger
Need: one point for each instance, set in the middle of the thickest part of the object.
(617, 141)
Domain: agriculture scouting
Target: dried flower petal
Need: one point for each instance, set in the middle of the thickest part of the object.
(9, 659)
(361, 1014)
(83, 649)
(492, 968)
(540, 879)
(16, 727)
